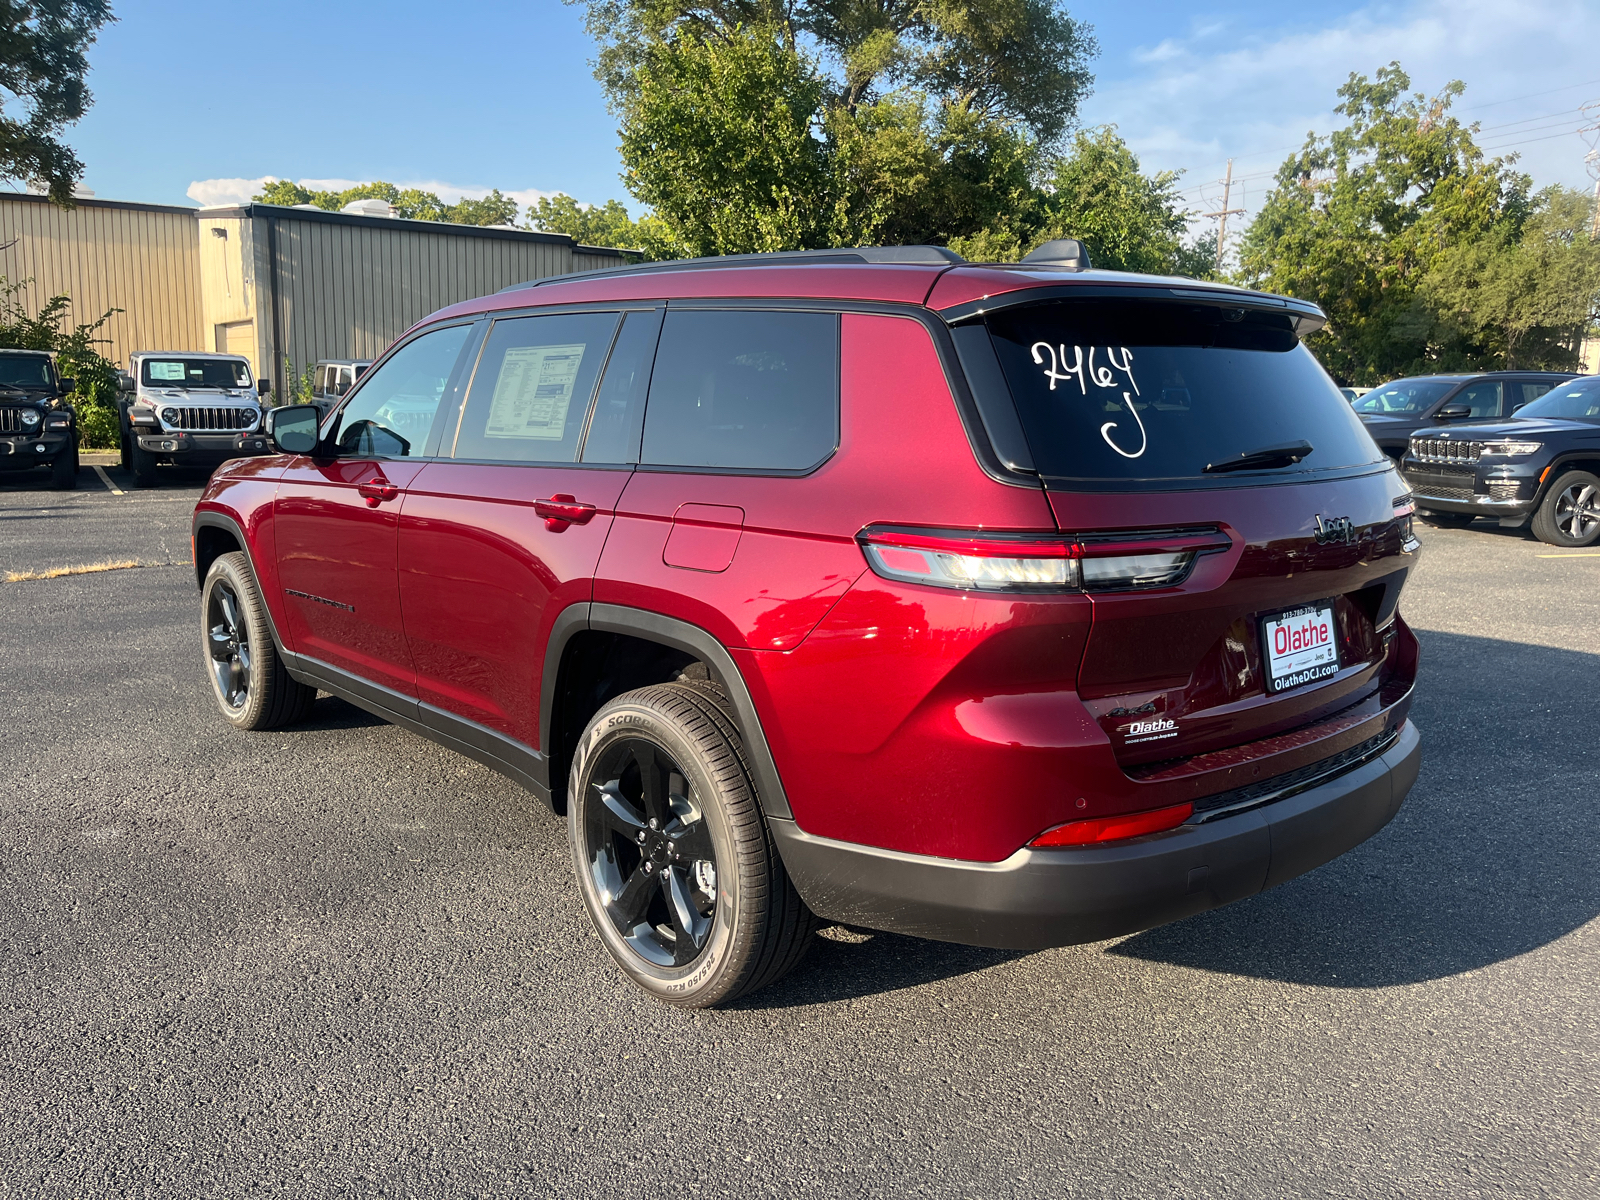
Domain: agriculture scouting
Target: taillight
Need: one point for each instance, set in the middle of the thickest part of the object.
(989, 562)
(1095, 830)
(1034, 562)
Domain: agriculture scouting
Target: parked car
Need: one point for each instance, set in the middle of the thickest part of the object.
(1353, 394)
(1543, 465)
(336, 376)
(1395, 411)
(189, 409)
(1008, 605)
(38, 428)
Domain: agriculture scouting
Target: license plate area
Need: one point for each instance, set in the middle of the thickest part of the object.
(1299, 646)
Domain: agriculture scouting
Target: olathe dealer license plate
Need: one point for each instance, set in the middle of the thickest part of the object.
(1299, 646)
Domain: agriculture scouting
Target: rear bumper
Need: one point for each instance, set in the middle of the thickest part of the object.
(1039, 898)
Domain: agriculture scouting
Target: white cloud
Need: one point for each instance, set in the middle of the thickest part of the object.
(226, 191)
(1194, 101)
(239, 191)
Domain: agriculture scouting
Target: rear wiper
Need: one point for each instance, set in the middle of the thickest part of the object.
(1263, 460)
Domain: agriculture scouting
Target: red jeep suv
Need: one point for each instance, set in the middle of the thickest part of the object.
(1015, 605)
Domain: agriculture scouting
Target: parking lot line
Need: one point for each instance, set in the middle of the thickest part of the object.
(105, 479)
(1593, 555)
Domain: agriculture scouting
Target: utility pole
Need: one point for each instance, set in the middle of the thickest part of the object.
(1591, 161)
(1224, 213)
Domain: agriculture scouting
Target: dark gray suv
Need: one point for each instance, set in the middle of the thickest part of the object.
(1395, 411)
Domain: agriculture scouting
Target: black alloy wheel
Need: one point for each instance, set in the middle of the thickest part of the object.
(1569, 515)
(651, 858)
(673, 856)
(228, 641)
(254, 690)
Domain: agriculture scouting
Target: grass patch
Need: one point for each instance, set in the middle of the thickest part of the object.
(110, 564)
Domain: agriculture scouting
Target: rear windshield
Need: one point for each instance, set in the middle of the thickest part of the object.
(194, 373)
(1577, 401)
(1404, 397)
(1135, 390)
(25, 370)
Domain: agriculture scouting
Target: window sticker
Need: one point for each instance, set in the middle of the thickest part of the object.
(1087, 372)
(533, 392)
(167, 371)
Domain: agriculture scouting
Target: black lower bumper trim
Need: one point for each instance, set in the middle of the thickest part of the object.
(1039, 898)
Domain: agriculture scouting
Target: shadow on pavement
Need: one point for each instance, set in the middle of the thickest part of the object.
(331, 712)
(1492, 855)
(844, 965)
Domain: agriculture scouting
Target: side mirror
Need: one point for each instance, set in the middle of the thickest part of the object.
(125, 382)
(65, 385)
(263, 387)
(293, 429)
(1454, 412)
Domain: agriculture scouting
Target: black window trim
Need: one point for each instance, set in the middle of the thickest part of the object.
(477, 361)
(469, 348)
(763, 304)
(938, 329)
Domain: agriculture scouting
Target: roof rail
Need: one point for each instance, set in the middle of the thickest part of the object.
(924, 255)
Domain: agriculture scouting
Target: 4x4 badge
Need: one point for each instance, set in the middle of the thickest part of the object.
(1335, 529)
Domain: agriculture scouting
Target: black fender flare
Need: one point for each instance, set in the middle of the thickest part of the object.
(1557, 468)
(680, 635)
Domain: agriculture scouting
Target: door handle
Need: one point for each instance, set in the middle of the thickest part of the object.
(377, 491)
(562, 510)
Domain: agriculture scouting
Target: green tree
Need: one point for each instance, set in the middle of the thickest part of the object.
(1130, 221)
(1525, 303)
(411, 203)
(1357, 218)
(753, 125)
(43, 44)
(94, 393)
(605, 224)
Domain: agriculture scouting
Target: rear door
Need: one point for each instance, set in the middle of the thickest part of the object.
(504, 531)
(335, 519)
(1164, 425)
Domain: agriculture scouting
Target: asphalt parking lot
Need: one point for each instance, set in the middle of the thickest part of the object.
(340, 960)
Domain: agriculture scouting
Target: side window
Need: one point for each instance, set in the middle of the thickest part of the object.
(391, 415)
(319, 384)
(619, 409)
(747, 390)
(530, 393)
(345, 381)
(1482, 398)
(1527, 393)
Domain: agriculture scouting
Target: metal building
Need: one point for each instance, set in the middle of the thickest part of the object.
(282, 286)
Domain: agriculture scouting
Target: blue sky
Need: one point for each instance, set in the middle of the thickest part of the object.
(193, 101)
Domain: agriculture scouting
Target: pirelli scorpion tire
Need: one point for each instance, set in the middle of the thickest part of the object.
(673, 857)
(252, 687)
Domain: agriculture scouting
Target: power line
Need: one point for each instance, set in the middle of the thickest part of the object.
(1531, 95)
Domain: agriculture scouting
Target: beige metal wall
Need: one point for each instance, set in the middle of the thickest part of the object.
(264, 281)
(141, 258)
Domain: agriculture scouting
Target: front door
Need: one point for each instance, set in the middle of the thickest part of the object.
(504, 531)
(335, 517)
